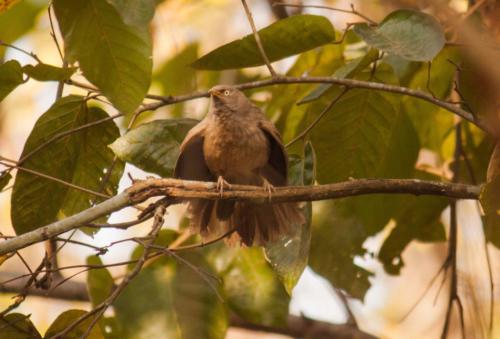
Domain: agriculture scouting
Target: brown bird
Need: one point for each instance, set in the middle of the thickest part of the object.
(236, 144)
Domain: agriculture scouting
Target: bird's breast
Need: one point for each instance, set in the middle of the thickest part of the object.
(235, 151)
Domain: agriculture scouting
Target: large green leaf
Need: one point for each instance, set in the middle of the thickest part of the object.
(67, 318)
(283, 38)
(18, 326)
(253, 291)
(154, 146)
(289, 256)
(93, 163)
(80, 158)
(114, 56)
(409, 34)
(353, 139)
(44, 72)
(11, 76)
(179, 303)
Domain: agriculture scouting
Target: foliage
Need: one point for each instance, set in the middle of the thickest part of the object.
(75, 155)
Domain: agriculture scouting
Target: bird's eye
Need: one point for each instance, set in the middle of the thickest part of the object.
(226, 92)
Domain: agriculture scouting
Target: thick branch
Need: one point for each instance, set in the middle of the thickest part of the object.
(179, 190)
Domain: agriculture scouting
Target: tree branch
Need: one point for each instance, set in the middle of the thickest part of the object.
(257, 39)
(348, 83)
(179, 190)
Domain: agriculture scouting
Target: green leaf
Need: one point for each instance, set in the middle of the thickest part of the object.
(114, 56)
(80, 158)
(409, 34)
(336, 240)
(346, 71)
(253, 291)
(92, 165)
(65, 319)
(4, 179)
(154, 146)
(353, 139)
(293, 35)
(11, 76)
(18, 326)
(289, 256)
(44, 72)
(100, 283)
(180, 304)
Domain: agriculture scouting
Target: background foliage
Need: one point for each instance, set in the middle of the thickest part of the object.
(108, 51)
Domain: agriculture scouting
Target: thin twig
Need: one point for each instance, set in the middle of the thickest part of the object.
(453, 242)
(257, 39)
(49, 177)
(99, 310)
(348, 11)
(320, 116)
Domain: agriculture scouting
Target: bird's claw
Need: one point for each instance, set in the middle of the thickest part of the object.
(221, 183)
(269, 189)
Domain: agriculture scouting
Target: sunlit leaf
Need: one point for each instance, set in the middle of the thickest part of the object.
(79, 158)
(65, 319)
(180, 303)
(44, 72)
(114, 56)
(407, 33)
(154, 146)
(253, 291)
(11, 76)
(18, 326)
(283, 38)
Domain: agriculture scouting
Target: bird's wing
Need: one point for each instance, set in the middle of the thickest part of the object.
(276, 169)
(191, 163)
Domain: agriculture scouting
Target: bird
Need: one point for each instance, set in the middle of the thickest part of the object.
(236, 144)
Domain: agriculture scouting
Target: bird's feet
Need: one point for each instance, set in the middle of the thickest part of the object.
(269, 188)
(221, 183)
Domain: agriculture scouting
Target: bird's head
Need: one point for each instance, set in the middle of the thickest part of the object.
(229, 98)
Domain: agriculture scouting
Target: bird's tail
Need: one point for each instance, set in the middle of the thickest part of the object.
(253, 224)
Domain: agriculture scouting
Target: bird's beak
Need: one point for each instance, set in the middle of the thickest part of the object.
(215, 93)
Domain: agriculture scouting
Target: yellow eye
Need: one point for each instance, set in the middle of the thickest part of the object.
(226, 92)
